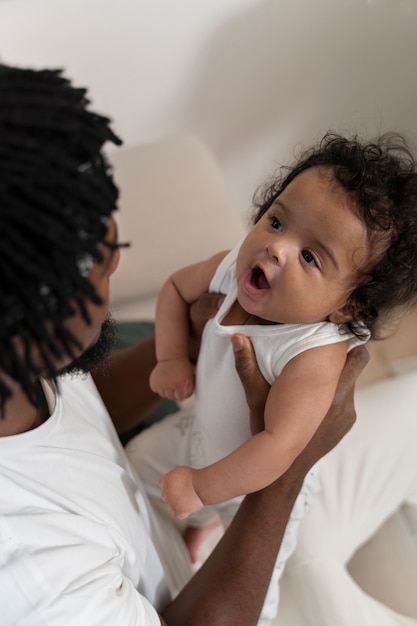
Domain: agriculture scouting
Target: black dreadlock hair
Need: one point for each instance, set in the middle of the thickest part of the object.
(380, 177)
(56, 197)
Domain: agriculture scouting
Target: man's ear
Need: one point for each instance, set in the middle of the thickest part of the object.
(345, 314)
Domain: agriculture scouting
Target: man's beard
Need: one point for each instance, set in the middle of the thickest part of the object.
(98, 353)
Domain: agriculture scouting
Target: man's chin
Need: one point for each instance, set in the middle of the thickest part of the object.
(97, 354)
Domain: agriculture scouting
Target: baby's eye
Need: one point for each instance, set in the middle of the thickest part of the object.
(275, 223)
(308, 257)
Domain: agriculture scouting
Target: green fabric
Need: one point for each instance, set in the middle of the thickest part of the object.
(132, 332)
(129, 333)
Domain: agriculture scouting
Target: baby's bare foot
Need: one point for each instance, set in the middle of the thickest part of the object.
(200, 541)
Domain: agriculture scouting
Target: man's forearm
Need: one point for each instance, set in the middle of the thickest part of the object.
(123, 383)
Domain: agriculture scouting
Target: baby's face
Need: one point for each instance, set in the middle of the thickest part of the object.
(299, 263)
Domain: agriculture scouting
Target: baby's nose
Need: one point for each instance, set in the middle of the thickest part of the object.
(277, 253)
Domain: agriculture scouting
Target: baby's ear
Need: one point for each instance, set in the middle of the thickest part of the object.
(345, 314)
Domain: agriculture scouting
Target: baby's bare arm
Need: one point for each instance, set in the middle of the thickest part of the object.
(173, 377)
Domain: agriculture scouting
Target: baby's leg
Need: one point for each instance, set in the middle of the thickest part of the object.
(201, 540)
(159, 448)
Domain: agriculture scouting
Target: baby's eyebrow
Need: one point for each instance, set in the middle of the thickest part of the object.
(279, 202)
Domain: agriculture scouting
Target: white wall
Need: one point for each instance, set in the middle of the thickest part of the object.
(252, 78)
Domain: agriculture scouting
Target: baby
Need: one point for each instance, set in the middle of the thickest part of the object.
(332, 252)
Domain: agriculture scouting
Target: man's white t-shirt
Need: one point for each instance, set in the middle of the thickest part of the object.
(80, 542)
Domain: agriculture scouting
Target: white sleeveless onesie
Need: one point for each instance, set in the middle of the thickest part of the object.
(221, 412)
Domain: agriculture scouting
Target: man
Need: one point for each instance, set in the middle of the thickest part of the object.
(79, 539)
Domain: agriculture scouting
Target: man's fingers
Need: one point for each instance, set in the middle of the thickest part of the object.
(245, 360)
(252, 380)
(201, 311)
(255, 386)
(205, 308)
(356, 361)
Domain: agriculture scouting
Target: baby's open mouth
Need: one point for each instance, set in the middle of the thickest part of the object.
(258, 279)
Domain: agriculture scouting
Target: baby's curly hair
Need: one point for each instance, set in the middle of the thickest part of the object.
(381, 178)
(56, 198)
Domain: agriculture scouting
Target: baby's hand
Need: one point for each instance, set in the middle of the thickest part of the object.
(173, 379)
(178, 492)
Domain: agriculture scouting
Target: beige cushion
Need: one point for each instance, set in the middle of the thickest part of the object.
(175, 208)
(395, 354)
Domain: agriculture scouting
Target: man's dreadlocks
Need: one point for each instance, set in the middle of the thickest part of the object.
(56, 197)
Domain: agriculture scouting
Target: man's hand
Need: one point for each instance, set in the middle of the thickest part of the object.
(201, 311)
(254, 384)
